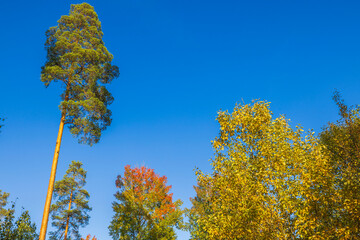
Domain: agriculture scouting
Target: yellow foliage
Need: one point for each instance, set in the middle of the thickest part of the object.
(342, 141)
(268, 180)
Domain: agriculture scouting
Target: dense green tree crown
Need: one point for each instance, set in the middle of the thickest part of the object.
(342, 140)
(77, 57)
(71, 205)
(21, 229)
(145, 209)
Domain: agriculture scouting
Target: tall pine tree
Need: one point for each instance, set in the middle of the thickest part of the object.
(77, 57)
(69, 212)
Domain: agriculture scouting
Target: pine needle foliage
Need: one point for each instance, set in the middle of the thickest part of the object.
(78, 58)
(70, 210)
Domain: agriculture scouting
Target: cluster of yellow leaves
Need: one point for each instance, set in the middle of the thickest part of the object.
(269, 181)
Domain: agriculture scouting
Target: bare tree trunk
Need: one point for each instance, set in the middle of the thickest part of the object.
(67, 219)
(45, 218)
(49, 194)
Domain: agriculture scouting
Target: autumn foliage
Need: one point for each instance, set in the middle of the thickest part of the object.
(145, 208)
(269, 181)
(150, 187)
(88, 237)
(342, 141)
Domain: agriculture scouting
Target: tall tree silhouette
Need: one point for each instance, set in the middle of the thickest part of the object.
(77, 57)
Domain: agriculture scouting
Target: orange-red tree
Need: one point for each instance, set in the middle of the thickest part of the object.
(145, 208)
(88, 237)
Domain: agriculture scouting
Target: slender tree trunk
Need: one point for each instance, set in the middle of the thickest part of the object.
(67, 219)
(45, 218)
(49, 194)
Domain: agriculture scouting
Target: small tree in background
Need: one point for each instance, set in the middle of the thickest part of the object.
(77, 57)
(200, 208)
(69, 212)
(145, 209)
(3, 201)
(21, 229)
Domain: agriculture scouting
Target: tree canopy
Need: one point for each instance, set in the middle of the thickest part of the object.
(144, 208)
(342, 141)
(21, 229)
(70, 211)
(78, 58)
(268, 181)
(3, 202)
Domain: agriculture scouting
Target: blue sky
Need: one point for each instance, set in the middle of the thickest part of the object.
(180, 62)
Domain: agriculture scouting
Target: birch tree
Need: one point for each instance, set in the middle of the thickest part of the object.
(269, 181)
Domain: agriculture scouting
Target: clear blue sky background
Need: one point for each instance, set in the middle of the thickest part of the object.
(180, 61)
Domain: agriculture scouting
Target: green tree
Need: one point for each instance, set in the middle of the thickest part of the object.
(77, 57)
(21, 229)
(145, 209)
(200, 208)
(69, 212)
(268, 181)
(3, 201)
(342, 140)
